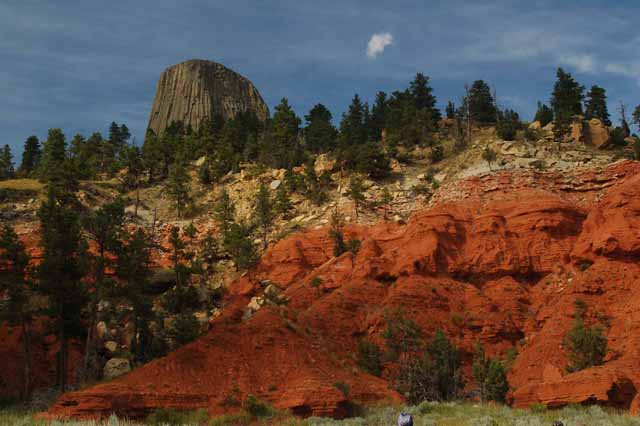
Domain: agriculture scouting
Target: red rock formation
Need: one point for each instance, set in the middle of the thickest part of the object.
(502, 266)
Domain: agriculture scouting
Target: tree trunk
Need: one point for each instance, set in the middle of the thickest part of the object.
(89, 345)
(26, 351)
(135, 212)
(64, 365)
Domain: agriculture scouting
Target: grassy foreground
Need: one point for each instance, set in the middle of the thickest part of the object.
(426, 414)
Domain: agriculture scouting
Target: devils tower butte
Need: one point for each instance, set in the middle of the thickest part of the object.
(196, 90)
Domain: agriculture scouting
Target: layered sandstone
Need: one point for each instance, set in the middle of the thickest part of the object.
(503, 266)
(198, 90)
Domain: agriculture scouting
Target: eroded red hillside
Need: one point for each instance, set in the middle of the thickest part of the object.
(500, 261)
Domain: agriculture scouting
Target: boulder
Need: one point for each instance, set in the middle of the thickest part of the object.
(111, 346)
(324, 163)
(116, 367)
(536, 125)
(101, 330)
(592, 132)
(275, 184)
(577, 130)
(597, 133)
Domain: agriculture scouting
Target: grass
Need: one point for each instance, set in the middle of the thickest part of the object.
(30, 185)
(425, 414)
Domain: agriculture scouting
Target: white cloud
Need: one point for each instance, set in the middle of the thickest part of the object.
(625, 70)
(377, 44)
(582, 63)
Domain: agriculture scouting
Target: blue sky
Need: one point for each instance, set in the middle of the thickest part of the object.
(80, 64)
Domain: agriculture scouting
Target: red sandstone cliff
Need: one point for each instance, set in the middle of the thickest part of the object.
(510, 259)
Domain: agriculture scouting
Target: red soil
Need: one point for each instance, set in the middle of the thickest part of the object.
(503, 266)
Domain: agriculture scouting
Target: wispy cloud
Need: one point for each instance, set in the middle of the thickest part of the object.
(582, 63)
(377, 43)
(630, 70)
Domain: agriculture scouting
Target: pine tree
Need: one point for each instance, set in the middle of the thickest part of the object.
(264, 212)
(624, 124)
(479, 370)
(132, 161)
(182, 300)
(61, 271)
(423, 97)
(134, 270)
(378, 118)
(445, 359)
(6, 163)
(283, 149)
(353, 131)
(370, 159)
(79, 155)
(315, 188)
(178, 187)
(356, 192)
(319, 135)
(282, 203)
(482, 107)
(402, 335)
(224, 213)
(490, 376)
(544, 114)
(30, 156)
(239, 244)
(596, 105)
(152, 155)
(566, 101)
(104, 227)
(337, 233)
(55, 169)
(450, 110)
(636, 116)
(508, 124)
(18, 291)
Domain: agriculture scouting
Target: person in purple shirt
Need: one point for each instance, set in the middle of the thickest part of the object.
(405, 419)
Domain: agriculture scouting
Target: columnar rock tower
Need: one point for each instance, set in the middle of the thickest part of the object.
(197, 90)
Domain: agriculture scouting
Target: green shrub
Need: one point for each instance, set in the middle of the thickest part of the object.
(173, 417)
(421, 189)
(257, 408)
(436, 154)
(508, 125)
(370, 357)
(537, 407)
(231, 420)
(490, 376)
(617, 137)
(433, 376)
(531, 135)
(587, 345)
(342, 387)
(353, 245)
(401, 334)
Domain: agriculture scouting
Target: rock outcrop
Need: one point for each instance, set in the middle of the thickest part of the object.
(503, 266)
(197, 90)
(116, 367)
(591, 132)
